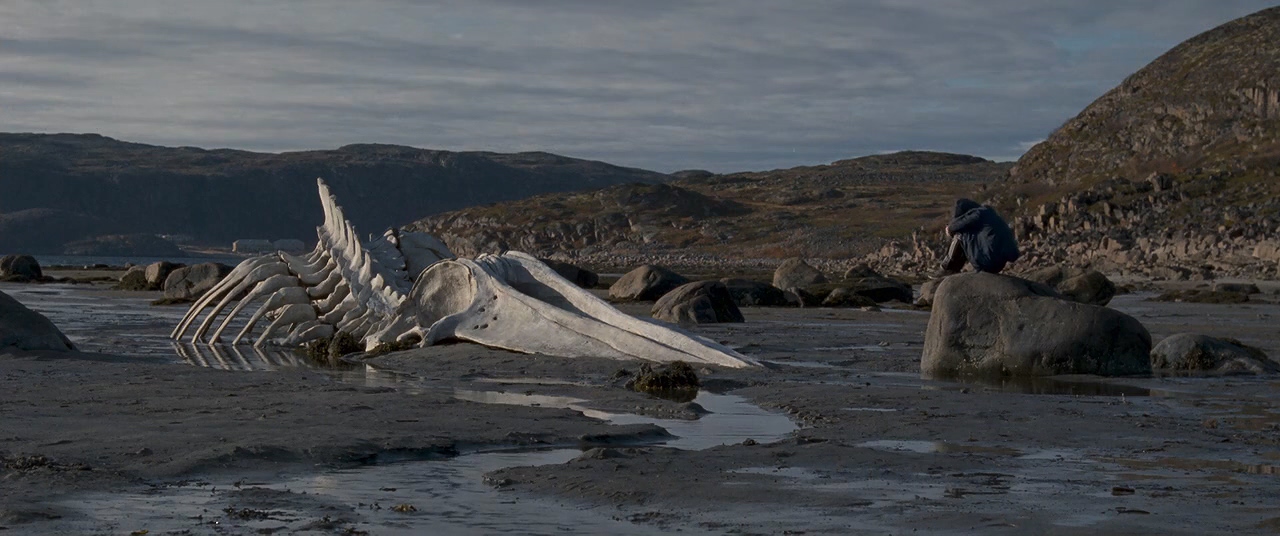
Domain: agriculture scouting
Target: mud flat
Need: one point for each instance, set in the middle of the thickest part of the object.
(837, 435)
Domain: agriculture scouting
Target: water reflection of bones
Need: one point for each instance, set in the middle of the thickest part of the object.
(408, 288)
(230, 357)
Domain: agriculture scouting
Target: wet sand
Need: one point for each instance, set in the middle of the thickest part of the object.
(127, 436)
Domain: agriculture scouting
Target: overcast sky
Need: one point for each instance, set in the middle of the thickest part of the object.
(725, 85)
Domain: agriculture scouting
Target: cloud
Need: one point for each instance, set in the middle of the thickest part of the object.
(718, 84)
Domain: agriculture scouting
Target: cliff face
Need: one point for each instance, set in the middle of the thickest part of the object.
(217, 196)
(1211, 101)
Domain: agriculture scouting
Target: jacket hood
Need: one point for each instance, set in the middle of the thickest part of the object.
(964, 205)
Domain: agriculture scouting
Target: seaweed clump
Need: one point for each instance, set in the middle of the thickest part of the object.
(408, 343)
(675, 381)
(329, 352)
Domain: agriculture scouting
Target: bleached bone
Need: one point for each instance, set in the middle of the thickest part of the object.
(406, 285)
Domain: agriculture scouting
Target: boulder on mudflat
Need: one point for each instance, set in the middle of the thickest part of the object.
(748, 293)
(133, 279)
(795, 272)
(157, 272)
(25, 329)
(190, 282)
(798, 297)
(846, 297)
(859, 271)
(988, 324)
(580, 276)
(1076, 284)
(20, 268)
(1190, 352)
(646, 283)
(701, 302)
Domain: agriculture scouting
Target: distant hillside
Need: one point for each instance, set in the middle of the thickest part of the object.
(1174, 173)
(831, 211)
(56, 188)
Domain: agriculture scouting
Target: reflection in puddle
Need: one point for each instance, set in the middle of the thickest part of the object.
(730, 419)
(239, 357)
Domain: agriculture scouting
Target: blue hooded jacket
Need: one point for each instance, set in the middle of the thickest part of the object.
(987, 240)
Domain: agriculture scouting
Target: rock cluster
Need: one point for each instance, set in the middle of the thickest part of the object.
(20, 269)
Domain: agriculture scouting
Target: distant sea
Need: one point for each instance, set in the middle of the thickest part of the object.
(83, 261)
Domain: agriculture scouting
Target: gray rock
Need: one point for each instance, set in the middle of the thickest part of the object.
(701, 302)
(1076, 284)
(798, 297)
(20, 268)
(927, 289)
(747, 293)
(134, 279)
(860, 271)
(881, 289)
(794, 272)
(846, 297)
(1189, 352)
(646, 283)
(987, 324)
(1242, 288)
(25, 329)
(157, 272)
(580, 276)
(190, 282)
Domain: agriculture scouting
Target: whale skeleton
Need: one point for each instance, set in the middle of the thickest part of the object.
(405, 286)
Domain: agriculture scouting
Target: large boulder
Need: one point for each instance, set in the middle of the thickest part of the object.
(580, 276)
(1189, 352)
(646, 283)
(988, 324)
(748, 293)
(795, 272)
(21, 268)
(25, 329)
(701, 302)
(1076, 284)
(157, 272)
(190, 282)
(133, 279)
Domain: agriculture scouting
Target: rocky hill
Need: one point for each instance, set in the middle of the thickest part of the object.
(835, 211)
(58, 188)
(1174, 173)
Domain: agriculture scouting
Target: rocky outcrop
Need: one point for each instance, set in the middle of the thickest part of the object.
(701, 302)
(996, 325)
(1076, 284)
(20, 268)
(24, 329)
(580, 276)
(646, 283)
(747, 293)
(795, 272)
(1194, 353)
(191, 282)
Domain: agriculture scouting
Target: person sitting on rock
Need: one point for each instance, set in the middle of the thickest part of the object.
(980, 237)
